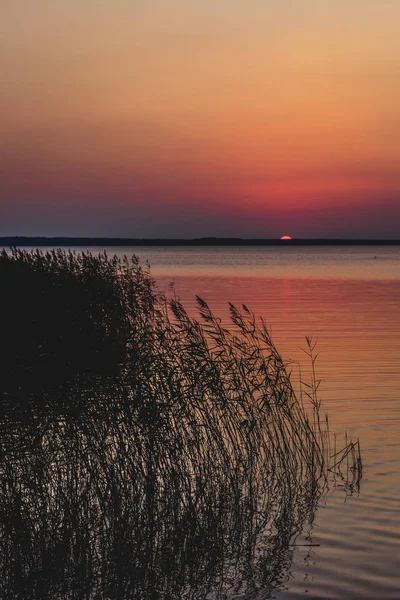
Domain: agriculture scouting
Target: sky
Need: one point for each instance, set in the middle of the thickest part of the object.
(180, 118)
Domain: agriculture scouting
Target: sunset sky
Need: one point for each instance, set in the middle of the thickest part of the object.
(176, 118)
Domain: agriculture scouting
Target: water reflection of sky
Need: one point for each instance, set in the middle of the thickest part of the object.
(350, 301)
(339, 262)
(363, 262)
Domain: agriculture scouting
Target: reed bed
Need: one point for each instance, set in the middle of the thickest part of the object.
(146, 453)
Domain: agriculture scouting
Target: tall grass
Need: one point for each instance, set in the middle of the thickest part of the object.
(145, 453)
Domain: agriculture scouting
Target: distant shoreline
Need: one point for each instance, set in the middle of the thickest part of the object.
(21, 241)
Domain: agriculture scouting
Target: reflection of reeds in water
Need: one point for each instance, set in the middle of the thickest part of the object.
(173, 461)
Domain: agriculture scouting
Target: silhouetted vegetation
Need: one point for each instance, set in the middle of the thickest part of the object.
(67, 317)
(144, 453)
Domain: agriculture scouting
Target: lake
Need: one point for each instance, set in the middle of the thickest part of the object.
(348, 299)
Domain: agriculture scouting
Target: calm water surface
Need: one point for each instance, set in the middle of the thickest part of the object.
(349, 300)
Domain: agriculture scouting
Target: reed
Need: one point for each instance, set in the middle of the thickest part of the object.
(146, 453)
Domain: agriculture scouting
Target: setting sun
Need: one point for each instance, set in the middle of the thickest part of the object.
(286, 237)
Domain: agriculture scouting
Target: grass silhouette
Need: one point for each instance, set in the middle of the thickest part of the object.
(145, 453)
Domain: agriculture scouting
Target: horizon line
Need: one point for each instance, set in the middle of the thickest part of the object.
(16, 240)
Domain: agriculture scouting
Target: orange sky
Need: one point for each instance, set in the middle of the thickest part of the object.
(181, 118)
